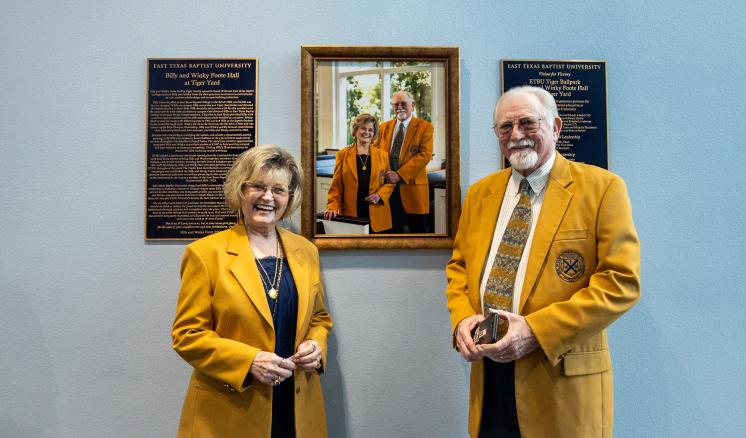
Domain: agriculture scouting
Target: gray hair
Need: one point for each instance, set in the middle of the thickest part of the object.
(545, 97)
(410, 96)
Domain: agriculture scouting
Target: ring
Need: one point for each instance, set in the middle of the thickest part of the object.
(275, 382)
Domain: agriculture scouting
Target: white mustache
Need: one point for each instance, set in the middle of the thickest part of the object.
(521, 143)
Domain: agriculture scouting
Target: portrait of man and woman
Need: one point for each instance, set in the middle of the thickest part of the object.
(382, 176)
(389, 175)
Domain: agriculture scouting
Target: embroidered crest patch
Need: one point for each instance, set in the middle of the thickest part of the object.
(570, 266)
(414, 149)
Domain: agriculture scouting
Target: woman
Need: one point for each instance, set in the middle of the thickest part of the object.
(357, 187)
(250, 317)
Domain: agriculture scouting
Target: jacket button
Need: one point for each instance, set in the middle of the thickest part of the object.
(297, 390)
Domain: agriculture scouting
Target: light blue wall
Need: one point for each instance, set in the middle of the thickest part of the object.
(86, 305)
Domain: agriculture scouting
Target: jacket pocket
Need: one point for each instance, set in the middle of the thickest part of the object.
(571, 235)
(590, 362)
(205, 383)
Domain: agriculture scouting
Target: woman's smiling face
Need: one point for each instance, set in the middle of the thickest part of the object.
(265, 200)
(364, 134)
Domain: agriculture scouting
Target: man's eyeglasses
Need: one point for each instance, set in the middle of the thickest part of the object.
(255, 187)
(527, 125)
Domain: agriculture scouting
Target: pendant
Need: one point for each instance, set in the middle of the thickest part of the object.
(273, 293)
(364, 168)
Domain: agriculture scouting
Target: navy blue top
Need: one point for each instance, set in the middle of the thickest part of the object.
(284, 318)
(363, 187)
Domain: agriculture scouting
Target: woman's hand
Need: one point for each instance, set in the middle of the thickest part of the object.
(308, 355)
(373, 199)
(270, 368)
(330, 214)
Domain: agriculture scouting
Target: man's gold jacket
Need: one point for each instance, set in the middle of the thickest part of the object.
(563, 388)
(416, 151)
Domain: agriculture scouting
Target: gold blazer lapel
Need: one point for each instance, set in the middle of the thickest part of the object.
(245, 270)
(377, 165)
(351, 159)
(299, 269)
(556, 200)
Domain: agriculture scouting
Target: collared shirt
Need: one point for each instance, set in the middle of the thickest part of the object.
(538, 181)
(397, 127)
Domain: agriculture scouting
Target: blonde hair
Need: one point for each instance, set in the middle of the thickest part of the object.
(262, 162)
(360, 120)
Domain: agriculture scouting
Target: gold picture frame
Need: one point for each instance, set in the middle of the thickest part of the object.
(446, 204)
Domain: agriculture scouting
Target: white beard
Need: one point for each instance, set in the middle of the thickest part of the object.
(523, 159)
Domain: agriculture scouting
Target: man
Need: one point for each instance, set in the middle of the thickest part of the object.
(409, 143)
(557, 257)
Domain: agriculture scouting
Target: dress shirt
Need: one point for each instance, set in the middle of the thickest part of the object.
(538, 182)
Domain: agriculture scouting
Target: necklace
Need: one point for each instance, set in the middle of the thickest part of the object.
(364, 163)
(273, 287)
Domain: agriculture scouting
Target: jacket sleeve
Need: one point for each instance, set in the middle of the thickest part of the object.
(385, 190)
(613, 288)
(193, 333)
(416, 164)
(334, 197)
(457, 290)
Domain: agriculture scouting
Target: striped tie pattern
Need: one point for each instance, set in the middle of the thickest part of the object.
(498, 293)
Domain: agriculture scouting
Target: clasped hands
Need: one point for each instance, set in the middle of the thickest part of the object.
(271, 369)
(517, 342)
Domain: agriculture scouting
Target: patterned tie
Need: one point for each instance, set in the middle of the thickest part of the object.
(499, 291)
(396, 148)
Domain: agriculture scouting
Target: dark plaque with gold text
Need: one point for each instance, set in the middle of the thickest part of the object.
(201, 115)
(579, 87)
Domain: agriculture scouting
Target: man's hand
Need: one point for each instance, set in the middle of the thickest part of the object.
(517, 342)
(392, 177)
(464, 341)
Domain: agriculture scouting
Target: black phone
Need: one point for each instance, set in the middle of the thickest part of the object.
(490, 330)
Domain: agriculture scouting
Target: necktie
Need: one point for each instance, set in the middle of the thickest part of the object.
(396, 148)
(498, 293)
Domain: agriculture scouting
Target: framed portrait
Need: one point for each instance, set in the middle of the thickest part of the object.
(380, 146)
